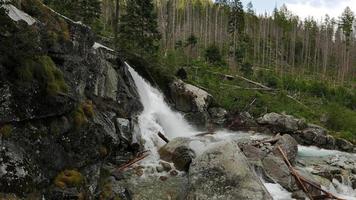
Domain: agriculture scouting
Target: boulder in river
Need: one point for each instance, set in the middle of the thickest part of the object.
(223, 172)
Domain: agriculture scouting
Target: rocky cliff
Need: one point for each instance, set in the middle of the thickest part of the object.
(67, 114)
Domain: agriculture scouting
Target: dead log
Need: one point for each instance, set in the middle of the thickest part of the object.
(272, 140)
(296, 175)
(140, 157)
(301, 179)
(164, 138)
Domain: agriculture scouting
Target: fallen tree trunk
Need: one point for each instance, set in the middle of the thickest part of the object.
(303, 180)
(140, 157)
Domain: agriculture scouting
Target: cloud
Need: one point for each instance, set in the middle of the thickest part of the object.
(319, 8)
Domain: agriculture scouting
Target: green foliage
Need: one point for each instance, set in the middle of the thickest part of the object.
(86, 11)
(246, 69)
(69, 178)
(139, 29)
(5, 131)
(212, 55)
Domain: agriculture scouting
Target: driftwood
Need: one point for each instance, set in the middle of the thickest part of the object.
(272, 140)
(243, 88)
(140, 157)
(303, 180)
(164, 138)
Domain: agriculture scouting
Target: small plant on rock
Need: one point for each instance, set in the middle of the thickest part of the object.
(69, 178)
(5, 131)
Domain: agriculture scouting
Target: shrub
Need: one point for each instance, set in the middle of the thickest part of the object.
(246, 69)
(212, 54)
(5, 131)
(69, 178)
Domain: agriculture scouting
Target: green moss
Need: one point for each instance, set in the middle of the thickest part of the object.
(79, 118)
(69, 178)
(5, 131)
(50, 76)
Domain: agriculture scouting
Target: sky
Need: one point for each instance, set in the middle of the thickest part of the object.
(305, 8)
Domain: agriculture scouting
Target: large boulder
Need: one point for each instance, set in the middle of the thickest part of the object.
(191, 100)
(277, 170)
(281, 122)
(223, 172)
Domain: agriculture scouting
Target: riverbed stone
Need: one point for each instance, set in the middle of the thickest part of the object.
(222, 172)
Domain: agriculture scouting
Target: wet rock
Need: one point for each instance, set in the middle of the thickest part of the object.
(344, 145)
(124, 128)
(178, 152)
(282, 122)
(166, 166)
(153, 187)
(289, 145)
(173, 173)
(225, 172)
(159, 169)
(166, 152)
(278, 171)
(18, 174)
(253, 153)
(218, 115)
(182, 157)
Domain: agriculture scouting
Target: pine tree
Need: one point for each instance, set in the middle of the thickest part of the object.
(139, 29)
(86, 11)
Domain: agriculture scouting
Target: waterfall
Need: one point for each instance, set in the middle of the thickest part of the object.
(157, 116)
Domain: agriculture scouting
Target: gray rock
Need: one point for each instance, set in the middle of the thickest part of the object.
(282, 122)
(182, 157)
(191, 100)
(222, 172)
(124, 127)
(150, 187)
(17, 173)
(276, 169)
(218, 115)
(289, 145)
(344, 145)
(166, 166)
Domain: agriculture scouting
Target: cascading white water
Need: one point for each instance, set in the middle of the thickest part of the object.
(157, 116)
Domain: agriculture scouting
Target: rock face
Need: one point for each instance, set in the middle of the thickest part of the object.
(222, 172)
(74, 130)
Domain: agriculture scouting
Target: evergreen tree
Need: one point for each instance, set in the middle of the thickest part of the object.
(139, 29)
(86, 11)
(346, 22)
